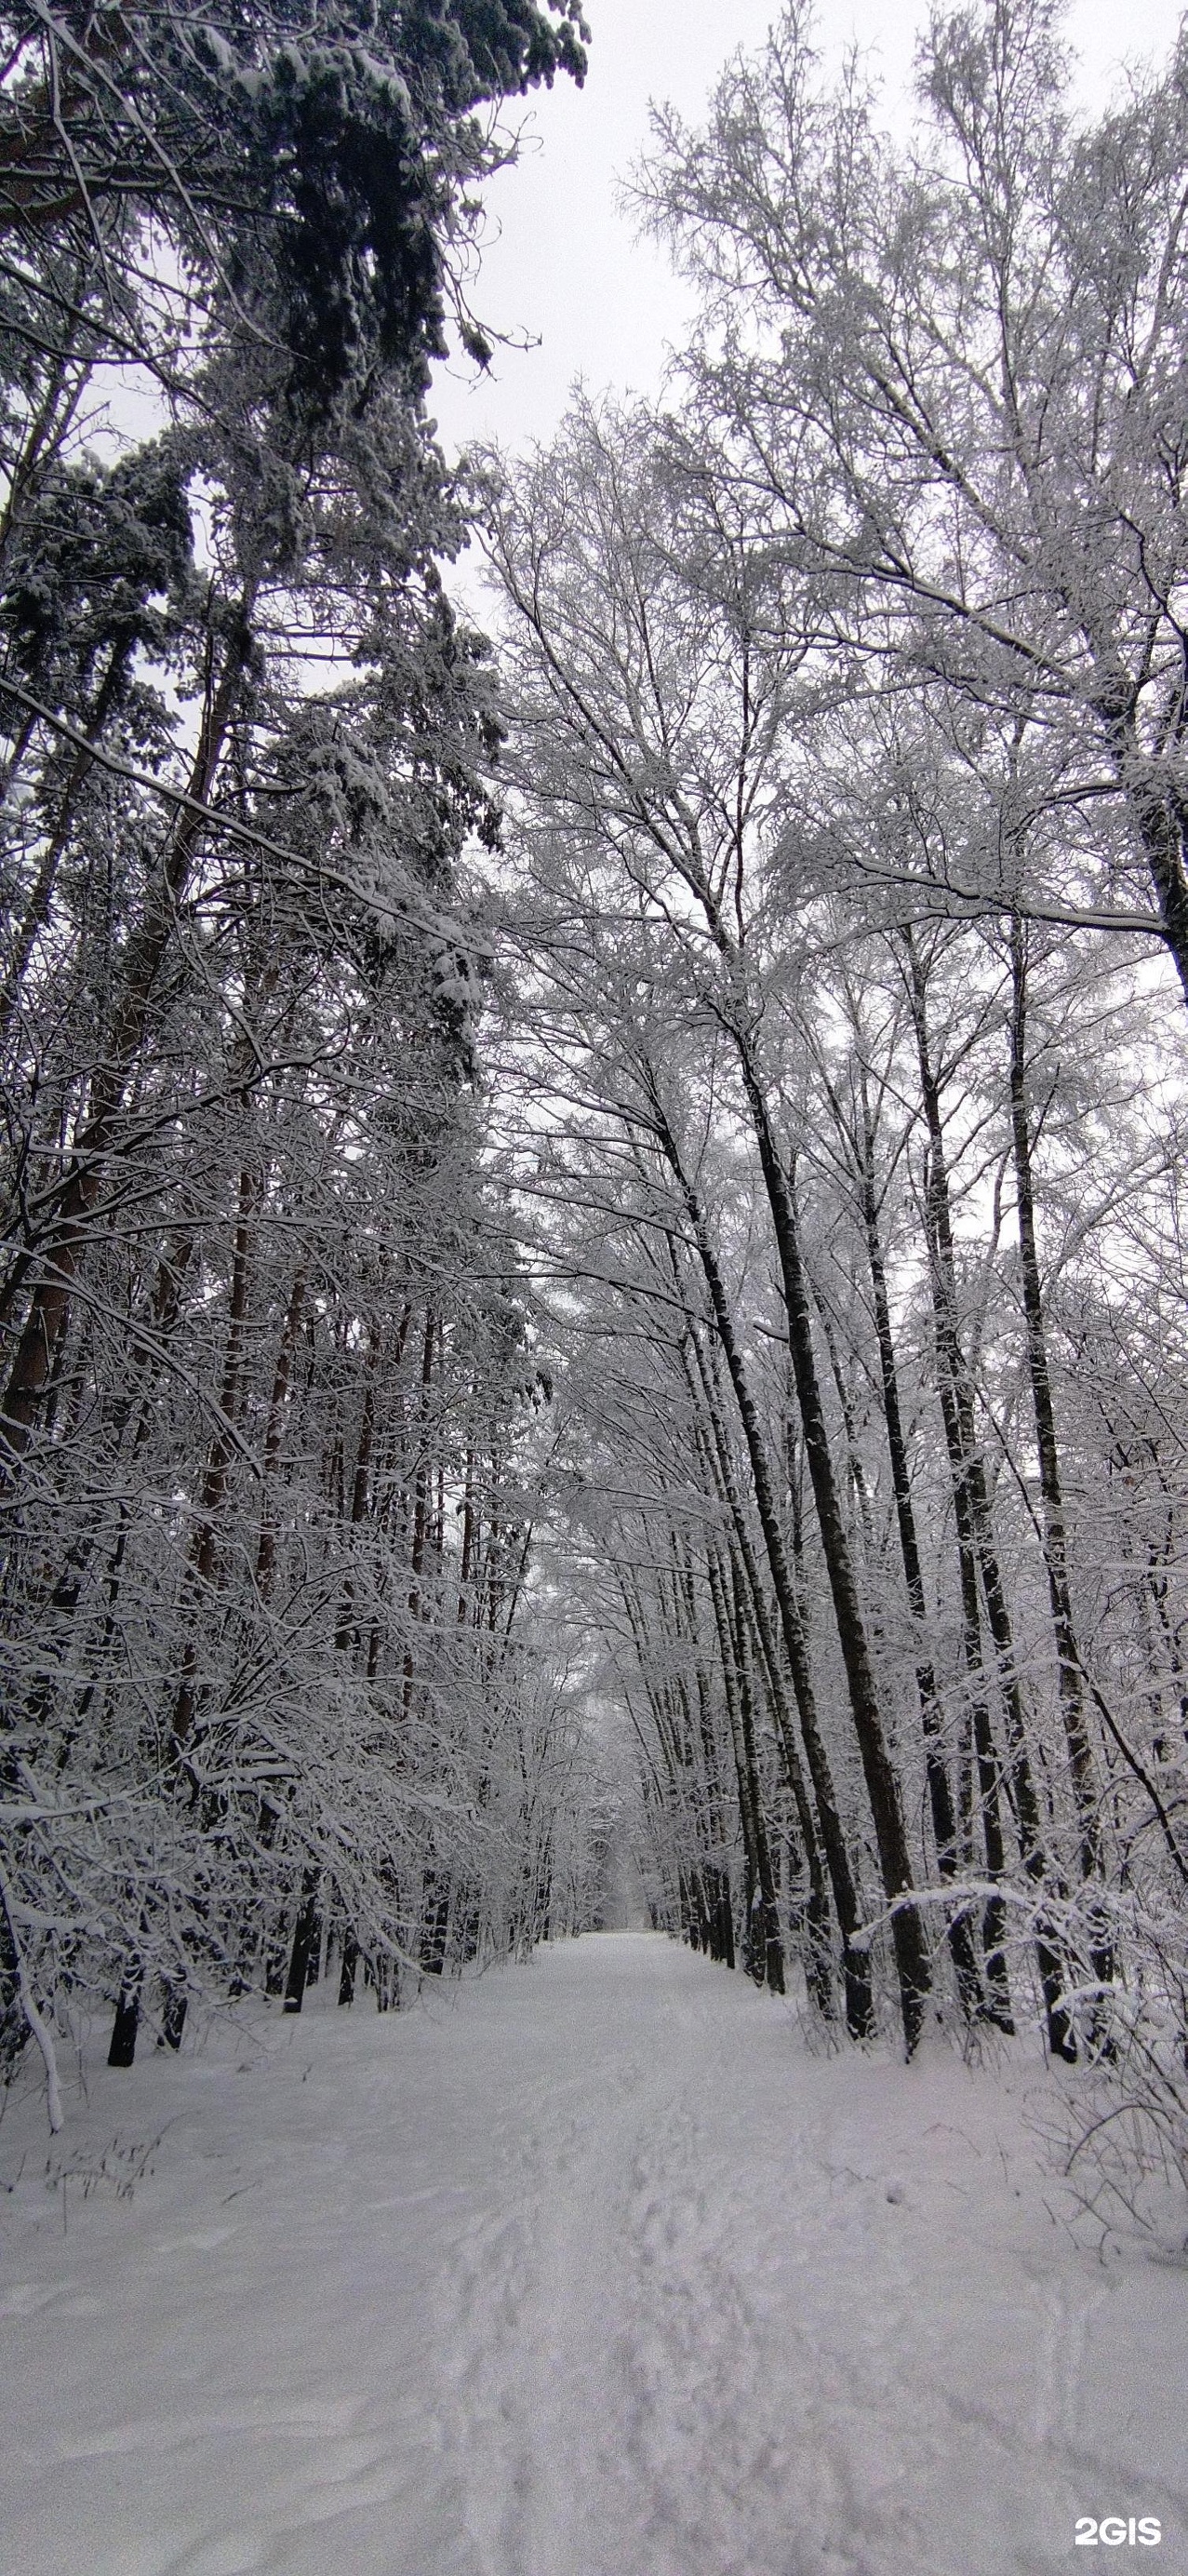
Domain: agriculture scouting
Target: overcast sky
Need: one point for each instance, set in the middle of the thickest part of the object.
(561, 263)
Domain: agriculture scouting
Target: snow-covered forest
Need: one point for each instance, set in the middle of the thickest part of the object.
(594, 1280)
(271, 1399)
(642, 1169)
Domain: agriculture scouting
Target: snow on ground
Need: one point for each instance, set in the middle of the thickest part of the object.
(589, 2270)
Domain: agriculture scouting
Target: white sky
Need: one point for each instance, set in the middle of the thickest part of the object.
(561, 264)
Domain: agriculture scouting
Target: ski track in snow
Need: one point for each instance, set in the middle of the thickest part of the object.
(590, 2270)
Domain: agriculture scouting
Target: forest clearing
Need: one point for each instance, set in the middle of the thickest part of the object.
(591, 2268)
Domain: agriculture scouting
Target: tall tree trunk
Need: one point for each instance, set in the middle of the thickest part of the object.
(745, 1570)
(855, 1962)
(345, 1631)
(1072, 1696)
(304, 1936)
(1082, 1769)
(219, 1455)
(819, 1984)
(37, 909)
(882, 1787)
(274, 1433)
(758, 1884)
(122, 2049)
(60, 1253)
(1159, 818)
(714, 1808)
(940, 1795)
(971, 1507)
(420, 1497)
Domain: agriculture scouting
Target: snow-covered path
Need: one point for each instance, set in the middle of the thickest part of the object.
(591, 2271)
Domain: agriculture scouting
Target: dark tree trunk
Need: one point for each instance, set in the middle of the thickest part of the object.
(758, 1887)
(38, 907)
(58, 1259)
(1159, 818)
(219, 1457)
(856, 1964)
(771, 1933)
(1082, 1770)
(126, 2025)
(304, 1935)
(940, 1795)
(266, 1550)
(971, 1506)
(882, 1787)
(719, 1882)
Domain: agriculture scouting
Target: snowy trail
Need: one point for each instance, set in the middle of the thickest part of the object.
(594, 2271)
